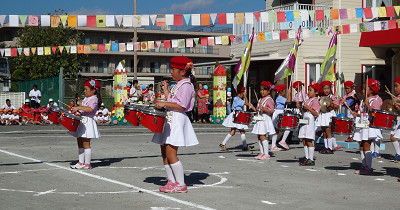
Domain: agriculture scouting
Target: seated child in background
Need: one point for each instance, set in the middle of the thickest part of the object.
(14, 119)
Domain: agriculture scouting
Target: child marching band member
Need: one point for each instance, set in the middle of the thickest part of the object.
(312, 108)
(178, 131)
(87, 129)
(238, 103)
(280, 102)
(395, 134)
(351, 100)
(264, 127)
(324, 119)
(366, 136)
(300, 95)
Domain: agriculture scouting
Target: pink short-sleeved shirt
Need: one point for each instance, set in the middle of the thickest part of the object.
(314, 104)
(335, 100)
(299, 97)
(91, 102)
(397, 99)
(375, 102)
(346, 96)
(269, 104)
(184, 94)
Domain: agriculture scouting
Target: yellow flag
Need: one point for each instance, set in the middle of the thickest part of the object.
(296, 14)
(382, 11)
(47, 51)
(94, 46)
(108, 46)
(33, 50)
(225, 40)
(63, 19)
(239, 18)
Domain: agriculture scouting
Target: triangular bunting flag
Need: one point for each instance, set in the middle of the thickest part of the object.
(187, 18)
(63, 19)
(232, 38)
(23, 19)
(396, 8)
(94, 46)
(196, 41)
(33, 49)
(67, 48)
(257, 15)
(54, 49)
(2, 18)
(296, 14)
(213, 16)
(312, 14)
(153, 19)
(158, 43)
(119, 19)
(108, 47)
(19, 50)
(2, 52)
(61, 48)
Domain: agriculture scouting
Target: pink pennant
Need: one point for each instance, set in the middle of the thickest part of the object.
(158, 43)
(368, 12)
(204, 41)
(33, 20)
(392, 24)
(167, 44)
(390, 11)
(54, 49)
(232, 38)
(221, 18)
(319, 15)
(281, 16)
(178, 20)
(257, 15)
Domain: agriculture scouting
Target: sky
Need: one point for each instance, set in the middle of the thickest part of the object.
(125, 7)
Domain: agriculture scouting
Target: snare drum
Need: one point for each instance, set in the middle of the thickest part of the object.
(288, 121)
(54, 114)
(130, 114)
(382, 119)
(242, 117)
(342, 125)
(70, 121)
(152, 119)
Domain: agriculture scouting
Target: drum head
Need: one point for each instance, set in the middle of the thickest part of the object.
(343, 119)
(154, 112)
(384, 112)
(56, 109)
(72, 116)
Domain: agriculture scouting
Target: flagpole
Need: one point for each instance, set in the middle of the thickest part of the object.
(134, 41)
(245, 85)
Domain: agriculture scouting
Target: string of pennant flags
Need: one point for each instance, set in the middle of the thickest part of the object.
(129, 21)
(203, 41)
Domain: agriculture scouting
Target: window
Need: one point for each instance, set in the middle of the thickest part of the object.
(168, 67)
(87, 67)
(103, 66)
(380, 73)
(377, 3)
(313, 72)
(102, 41)
(87, 41)
(204, 70)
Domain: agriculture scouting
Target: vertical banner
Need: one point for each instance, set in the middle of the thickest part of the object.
(120, 94)
(219, 96)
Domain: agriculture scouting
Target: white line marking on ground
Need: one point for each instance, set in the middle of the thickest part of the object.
(254, 161)
(27, 191)
(341, 174)
(267, 202)
(285, 166)
(379, 179)
(17, 172)
(355, 158)
(221, 156)
(187, 203)
(162, 208)
(68, 136)
(44, 193)
(311, 170)
(380, 161)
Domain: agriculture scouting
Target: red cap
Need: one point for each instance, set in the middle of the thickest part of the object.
(316, 86)
(323, 83)
(266, 83)
(349, 84)
(92, 83)
(280, 87)
(397, 80)
(297, 84)
(374, 85)
(181, 62)
(145, 91)
(241, 89)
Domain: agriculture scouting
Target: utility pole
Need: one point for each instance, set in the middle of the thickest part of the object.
(134, 41)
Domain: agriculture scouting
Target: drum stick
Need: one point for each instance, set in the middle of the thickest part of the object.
(388, 92)
(345, 103)
(62, 103)
(255, 93)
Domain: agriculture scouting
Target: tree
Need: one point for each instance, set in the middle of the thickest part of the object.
(43, 66)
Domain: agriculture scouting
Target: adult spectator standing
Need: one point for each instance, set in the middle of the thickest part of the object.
(134, 93)
(35, 96)
(8, 105)
(202, 100)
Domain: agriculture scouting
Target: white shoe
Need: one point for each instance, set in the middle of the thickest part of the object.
(78, 166)
(86, 166)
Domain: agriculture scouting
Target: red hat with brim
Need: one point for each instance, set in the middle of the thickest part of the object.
(241, 89)
(297, 84)
(397, 80)
(349, 84)
(181, 62)
(267, 84)
(280, 87)
(316, 86)
(323, 83)
(92, 83)
(374, 85)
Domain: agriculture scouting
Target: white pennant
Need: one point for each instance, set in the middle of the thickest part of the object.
(2, 18)
(2, 52)
(213, 17)
(153, 19)
(119, 19)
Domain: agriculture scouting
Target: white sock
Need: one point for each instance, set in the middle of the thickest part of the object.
(363, 161)
(311, 153)
(261, 146)
(396, 147)
(177, 169)
(88, 156)
(326, 143)
(265, 146)
(243, 136)
(306, 152)
(226, 139)
(373, 146)
(274, 138)
(81, 155)
(377, 145)
(334, 142)
(368, 159)
(170, 175)
(330, 143)
(285, 135)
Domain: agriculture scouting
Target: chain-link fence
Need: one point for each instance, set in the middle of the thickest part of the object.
(49, 88)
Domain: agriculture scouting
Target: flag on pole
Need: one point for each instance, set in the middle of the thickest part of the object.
(244, 62)
(287, 66)
(327, 67)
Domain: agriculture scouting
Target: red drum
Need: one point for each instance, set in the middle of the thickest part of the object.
(288, 121)
(130, 114)
(70, 121)
(152, 119)
(382, 119)
(54, 114)
(242, 117)
(342, 125)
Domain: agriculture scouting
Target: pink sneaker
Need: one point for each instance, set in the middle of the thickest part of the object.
(169, 185)
(284, 145)
(87, 166)
(265, 157)
(338, 147)
(258, 156)
(275, 149)
(177, 188)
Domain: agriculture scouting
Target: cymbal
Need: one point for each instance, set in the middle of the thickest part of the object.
(323, 101)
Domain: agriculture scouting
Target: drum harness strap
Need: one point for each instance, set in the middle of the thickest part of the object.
(261, 116)
(174, 90)
(84, 119)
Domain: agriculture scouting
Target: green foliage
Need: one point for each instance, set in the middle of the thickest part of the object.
(43, 66)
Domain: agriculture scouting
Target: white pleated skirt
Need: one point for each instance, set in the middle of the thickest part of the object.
(360, 134)
(88, 130)
(265, 127)
(275, 117)
(396, 131)
(178, 133)
(308, 131)
(324, 119)
(228, 122)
